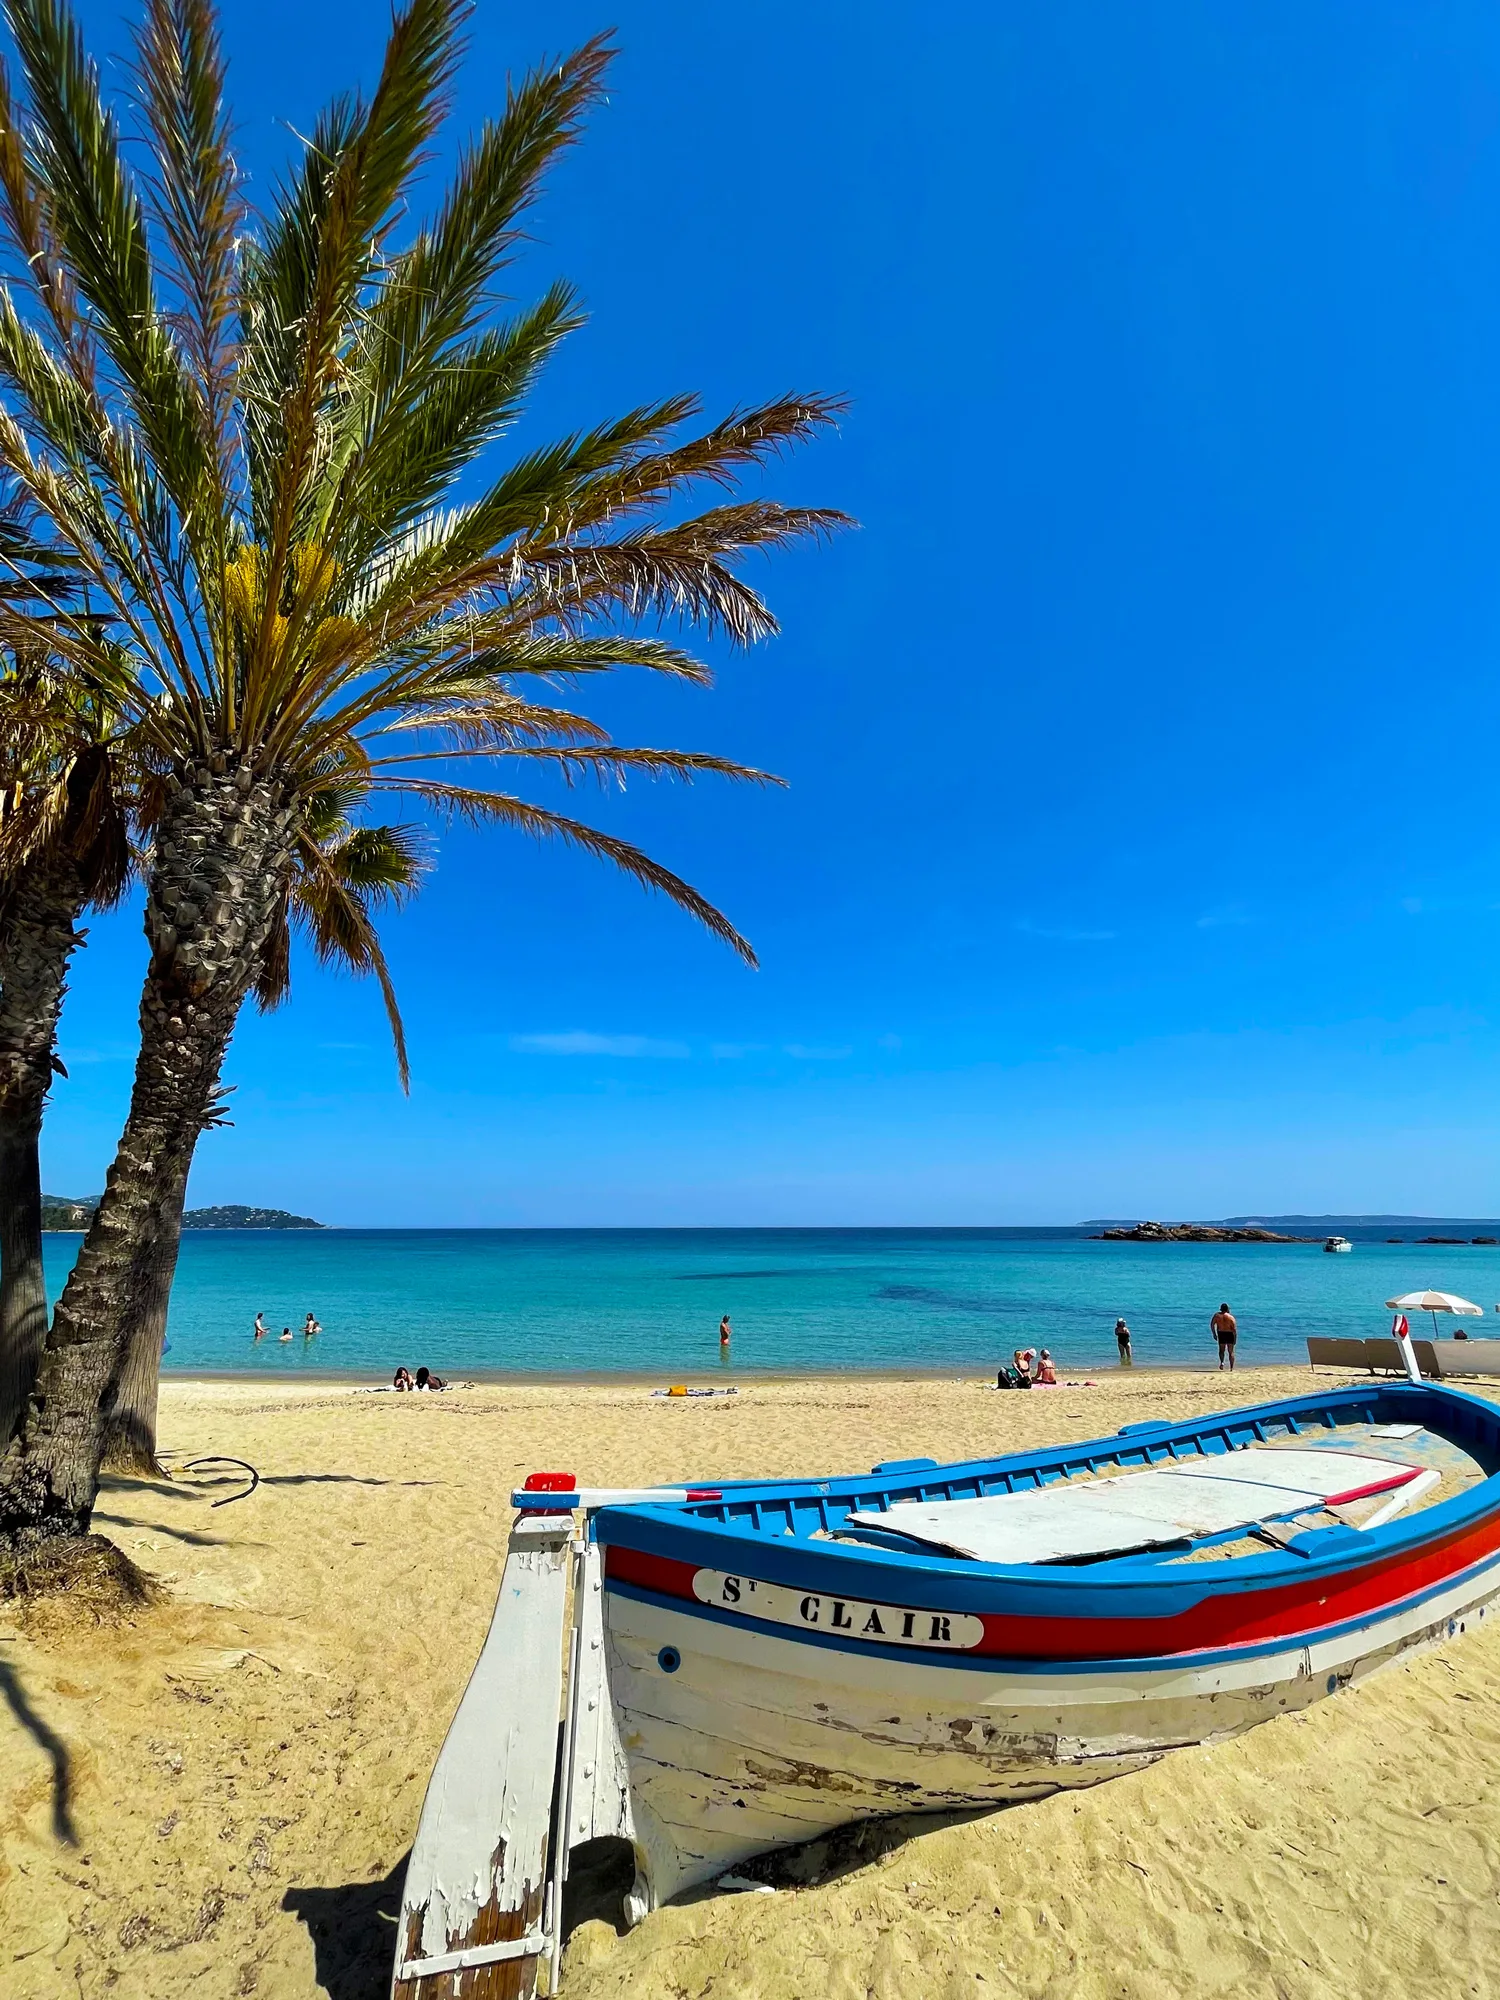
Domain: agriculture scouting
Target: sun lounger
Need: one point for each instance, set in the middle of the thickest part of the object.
(1324, 1352)
(1465, 1357)
(1385, 1355)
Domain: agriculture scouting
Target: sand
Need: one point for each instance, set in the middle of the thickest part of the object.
(217, 1797)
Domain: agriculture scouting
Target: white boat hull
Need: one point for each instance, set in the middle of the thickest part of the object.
(757, 1741)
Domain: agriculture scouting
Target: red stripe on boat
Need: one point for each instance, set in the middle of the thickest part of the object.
(1232, 1618)
(1376, 1486)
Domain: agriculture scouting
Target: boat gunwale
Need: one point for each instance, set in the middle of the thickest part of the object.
(688, 1532)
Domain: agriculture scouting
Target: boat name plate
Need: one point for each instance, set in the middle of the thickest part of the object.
(853, 1617)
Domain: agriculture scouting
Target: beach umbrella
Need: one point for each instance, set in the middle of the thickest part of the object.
(1435, 1303)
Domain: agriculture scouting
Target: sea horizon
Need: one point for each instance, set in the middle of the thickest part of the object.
(622, 1303)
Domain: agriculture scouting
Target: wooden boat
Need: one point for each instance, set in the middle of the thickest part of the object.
(755, 1664)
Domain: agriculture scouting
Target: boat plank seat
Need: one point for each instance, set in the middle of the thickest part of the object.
(1140, 1510)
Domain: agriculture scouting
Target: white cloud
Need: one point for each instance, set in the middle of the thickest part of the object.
(732, 1051)
(1231, 913)
(804, 1054)
(1065, 934)
(579, 1042)
(888, 1042)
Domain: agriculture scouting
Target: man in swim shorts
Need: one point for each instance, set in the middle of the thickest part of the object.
(1226, 1331)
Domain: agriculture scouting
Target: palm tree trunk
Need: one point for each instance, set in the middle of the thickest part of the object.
(130, 1434)
(38, 936)
(223, 857)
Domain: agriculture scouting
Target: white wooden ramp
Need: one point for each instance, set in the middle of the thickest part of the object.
(478, 1915)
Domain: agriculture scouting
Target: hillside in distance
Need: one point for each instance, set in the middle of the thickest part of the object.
(62, 1212)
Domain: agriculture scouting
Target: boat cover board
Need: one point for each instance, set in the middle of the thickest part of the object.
(1139, 1510)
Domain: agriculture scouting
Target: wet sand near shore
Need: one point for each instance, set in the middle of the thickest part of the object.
(217, 1797)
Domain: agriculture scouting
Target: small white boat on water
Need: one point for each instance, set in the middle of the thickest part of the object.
(1338, 1243)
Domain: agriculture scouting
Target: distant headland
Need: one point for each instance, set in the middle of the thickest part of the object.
(60, 1212)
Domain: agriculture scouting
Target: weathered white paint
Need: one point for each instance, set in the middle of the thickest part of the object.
(759, 1739)
(530, 1946)
(599, 1801)
(1135, 1510)
(478, 1865)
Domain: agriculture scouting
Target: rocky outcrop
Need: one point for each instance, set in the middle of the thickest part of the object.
(1195, 1232)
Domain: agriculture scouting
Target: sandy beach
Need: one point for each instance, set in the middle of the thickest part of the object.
(217, 1797)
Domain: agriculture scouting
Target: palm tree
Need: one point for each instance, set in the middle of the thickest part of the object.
(63, 850)
(265, 441)
(344, 873)
(75, 785)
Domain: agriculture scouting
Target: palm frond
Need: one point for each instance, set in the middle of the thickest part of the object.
(194, 199)
(95, 210)
(481, 808)
(337, 885)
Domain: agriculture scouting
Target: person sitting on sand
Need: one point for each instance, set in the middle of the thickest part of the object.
(1046, 1372)
(313, 1326)
(1122, 1341)
(427, 1380)
(1227, 1332)
(402, 1380)
(261, 1329)
(285, 1334)
(1021, 1362)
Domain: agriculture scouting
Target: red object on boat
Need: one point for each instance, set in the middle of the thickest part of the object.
(1376, 1486)
(549, 1482)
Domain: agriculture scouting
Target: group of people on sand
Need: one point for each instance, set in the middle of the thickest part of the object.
(423, 1379)
(1028, 1370)
(311, 1325)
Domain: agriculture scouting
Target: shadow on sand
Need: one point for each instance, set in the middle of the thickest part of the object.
(52, 1744)
(353, 1925)
(353, 1932)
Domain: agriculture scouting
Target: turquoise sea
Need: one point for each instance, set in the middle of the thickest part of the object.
(598, 1301)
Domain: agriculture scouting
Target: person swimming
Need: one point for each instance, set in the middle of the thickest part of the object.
(285, 1334)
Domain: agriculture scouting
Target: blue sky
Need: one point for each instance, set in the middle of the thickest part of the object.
(1140, 851)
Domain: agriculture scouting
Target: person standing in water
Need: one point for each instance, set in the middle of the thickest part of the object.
(1227, 1332)
(314, 1325)
(724, 1332)
(1122, 1341)
(261, 1329)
